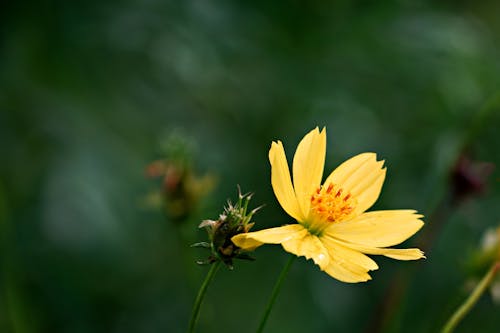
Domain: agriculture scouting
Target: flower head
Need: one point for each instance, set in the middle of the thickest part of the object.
(334, 229)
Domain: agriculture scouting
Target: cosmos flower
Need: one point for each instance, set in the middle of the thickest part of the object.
(334, 229)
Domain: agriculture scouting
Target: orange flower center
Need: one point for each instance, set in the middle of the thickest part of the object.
(331, 203)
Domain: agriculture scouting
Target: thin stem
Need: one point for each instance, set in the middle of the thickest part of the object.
(472, 299)
(201, 294)
(275, 293)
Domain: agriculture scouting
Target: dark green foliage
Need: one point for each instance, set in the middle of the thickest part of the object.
(88, 89)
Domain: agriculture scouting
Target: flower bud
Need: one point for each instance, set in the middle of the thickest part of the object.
(488, 255)
(180, 187)
(469, 178)
(235, 219)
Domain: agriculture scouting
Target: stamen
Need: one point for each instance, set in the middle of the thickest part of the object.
(328, 204)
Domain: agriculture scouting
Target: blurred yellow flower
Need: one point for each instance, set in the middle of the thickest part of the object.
(333, 228)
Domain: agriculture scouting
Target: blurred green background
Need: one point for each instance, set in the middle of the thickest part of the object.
(89, 90)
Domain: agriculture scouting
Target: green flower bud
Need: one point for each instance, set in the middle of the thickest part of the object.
(235, 219)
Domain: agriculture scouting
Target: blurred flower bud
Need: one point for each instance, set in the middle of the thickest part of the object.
(180, 188)
(495, 291)
(488, 255)
(469, 177)
(234, 220)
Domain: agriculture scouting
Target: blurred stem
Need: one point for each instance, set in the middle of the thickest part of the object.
(469, 303)
(201, 295)
(387, 311)
(275, 293)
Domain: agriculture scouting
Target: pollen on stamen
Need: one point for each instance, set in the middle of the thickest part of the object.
(328, 204)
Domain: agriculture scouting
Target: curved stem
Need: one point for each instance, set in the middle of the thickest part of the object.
(201, 294)
(275, 293)
(462, 311)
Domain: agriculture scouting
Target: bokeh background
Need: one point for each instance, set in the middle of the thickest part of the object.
(91, 92)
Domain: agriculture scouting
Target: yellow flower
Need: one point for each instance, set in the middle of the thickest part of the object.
(333, 228)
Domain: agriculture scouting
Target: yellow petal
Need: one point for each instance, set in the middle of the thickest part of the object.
(362, 176)
(308, 165)
(246, 243)
(281, 181)
(310, 247)
(278, 235)
(404, 254)
(399, 254)
(346, 264)
(348, 255)
(346, 273)
(378, 228)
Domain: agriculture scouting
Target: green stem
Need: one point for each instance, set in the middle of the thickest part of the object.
(472, 299)
(275, 293)
(201, 294)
